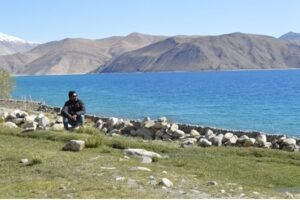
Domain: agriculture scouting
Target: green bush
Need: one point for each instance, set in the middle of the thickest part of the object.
(93, 141)
(88, 130)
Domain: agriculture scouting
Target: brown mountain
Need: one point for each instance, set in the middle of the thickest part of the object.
(70, 56)
(187, 53)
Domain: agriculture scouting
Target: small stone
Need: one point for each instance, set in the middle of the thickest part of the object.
(62, 187)
(223, 191)
(146, 160)
(120, 178)
(151, 177)
(256, 193)
(140, 169)
(164, 172)
(24, 161)
(166, 182)
(242, 195)
(74, 145)
(289, 195)
(213, 183)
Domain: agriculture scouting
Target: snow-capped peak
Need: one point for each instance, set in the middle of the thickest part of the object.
(9, 38)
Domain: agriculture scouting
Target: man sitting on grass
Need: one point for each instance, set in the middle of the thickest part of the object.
(73, 112)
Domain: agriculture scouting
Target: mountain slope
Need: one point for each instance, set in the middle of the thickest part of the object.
(186, 53)
(11, 45)
(73, 55)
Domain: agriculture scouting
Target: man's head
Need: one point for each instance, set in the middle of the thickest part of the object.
(72, 95)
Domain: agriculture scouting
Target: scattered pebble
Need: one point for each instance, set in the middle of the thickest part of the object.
(164, 172)
(146, 160)
(256, 193)
(140, 169)
(24, 161)
(289, 195)
(212, 183)
(166, 182)
(120, 178)
(109, 168)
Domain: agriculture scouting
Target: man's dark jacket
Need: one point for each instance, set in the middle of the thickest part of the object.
(73, 108)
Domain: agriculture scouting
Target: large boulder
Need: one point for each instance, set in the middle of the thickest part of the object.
(74, 145)
(174, 127)
(261, 140)
(147, 134)
(209, 134)
(250, 142)
(9, 125)
(148, 124)
(217, 140)
(3, 115)
(142, 152)
(43, 122)
(231, 141)
(178, 134)
(204, 142)
(194, 133)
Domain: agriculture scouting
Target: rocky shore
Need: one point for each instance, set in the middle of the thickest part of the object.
(37, 116)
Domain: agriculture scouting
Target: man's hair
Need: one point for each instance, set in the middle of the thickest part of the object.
(71, 93)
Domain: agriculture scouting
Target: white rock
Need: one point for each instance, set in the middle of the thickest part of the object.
(261, 140)
(59, 119)
(146, 160)
(204, 142)
(30, 125)
(194, 133)
(163, 119)
(289, 141)
(57, 127)
(209, 134)
(3, 115)
(217, 140)
(24, 161)
(74, 145)
(43, 122)
(232, 140)
(166, 182)
(120, 178)
(30, 118)
(174, 127)
(142, 152)
(140, 169)
(10, 125)
(227, 136)
(148, 124)
(250, 142)
(178, 133)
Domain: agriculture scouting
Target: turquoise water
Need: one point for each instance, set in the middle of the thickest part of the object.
(265, 101)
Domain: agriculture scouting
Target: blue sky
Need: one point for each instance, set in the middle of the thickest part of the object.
(47, 20)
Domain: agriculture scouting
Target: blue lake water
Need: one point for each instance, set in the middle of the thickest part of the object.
(265, 101)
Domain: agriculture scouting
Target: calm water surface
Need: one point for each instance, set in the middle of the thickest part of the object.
(265, 101)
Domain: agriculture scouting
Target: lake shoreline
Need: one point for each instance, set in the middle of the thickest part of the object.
(186, 127)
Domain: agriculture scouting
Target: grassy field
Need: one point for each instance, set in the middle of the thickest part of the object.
(102, 171)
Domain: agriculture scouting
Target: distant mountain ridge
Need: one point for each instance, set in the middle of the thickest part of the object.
(290, 36)
(230, 51)
(71, 56)
(11, 44)
(138, 52)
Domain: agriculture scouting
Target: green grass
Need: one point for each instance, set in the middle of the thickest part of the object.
(53, 173)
